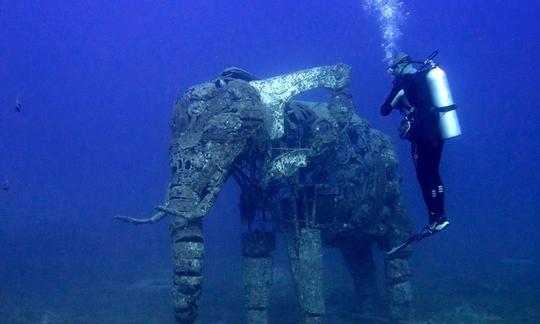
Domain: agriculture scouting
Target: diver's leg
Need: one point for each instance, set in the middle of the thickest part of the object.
(188, 254)
(305, 254)
(426, 158)
(438, 203)
(420, 165)
(359, 260)
(257, 275)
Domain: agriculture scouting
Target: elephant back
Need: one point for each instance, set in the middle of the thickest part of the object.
(351, 176)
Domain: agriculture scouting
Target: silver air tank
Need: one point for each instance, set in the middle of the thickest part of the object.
(442, 100)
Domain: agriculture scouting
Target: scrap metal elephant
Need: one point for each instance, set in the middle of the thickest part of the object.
(315, 171)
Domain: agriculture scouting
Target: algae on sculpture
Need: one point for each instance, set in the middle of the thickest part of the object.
(315, 171)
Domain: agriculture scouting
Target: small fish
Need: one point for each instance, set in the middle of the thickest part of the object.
(6, 185)
(18, 104)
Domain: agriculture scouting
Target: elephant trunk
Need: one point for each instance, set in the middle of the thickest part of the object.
(188, 260)
(198, 176)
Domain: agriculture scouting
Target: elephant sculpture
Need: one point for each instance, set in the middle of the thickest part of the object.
(314, 171)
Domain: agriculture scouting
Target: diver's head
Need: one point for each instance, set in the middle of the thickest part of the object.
(401, 64)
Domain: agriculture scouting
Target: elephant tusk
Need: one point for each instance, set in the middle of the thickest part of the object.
(138, 221)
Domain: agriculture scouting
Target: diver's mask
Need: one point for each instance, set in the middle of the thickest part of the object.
(397, 68)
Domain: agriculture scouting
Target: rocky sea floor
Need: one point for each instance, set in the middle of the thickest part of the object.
(510, 296)
(221, 306)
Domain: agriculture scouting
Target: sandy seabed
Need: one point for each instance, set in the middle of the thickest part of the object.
(511, 294)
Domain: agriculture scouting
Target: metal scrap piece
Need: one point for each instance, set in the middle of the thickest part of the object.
(277, 91)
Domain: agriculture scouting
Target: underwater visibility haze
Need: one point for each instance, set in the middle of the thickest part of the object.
(87, 91)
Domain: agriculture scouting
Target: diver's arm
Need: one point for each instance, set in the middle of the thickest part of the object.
(392, 100)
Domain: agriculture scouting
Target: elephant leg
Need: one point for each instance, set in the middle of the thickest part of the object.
(399, 288)
(397, 266)
(257, 275)
(305, 254)
(359, 259)
(188, 254)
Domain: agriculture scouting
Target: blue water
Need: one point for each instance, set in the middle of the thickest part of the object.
(97, 82)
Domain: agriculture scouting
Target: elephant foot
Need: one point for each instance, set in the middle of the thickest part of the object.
(400, 314)
(313, 319)
(185, 309)
(184, 318)
(256, 316)
(181, 320)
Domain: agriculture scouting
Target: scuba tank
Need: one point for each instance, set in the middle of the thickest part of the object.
(441, 99)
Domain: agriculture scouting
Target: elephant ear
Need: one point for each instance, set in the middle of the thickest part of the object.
(276, 92)
(285, 165)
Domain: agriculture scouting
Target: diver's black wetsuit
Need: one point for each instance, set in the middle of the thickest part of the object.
(425, 138)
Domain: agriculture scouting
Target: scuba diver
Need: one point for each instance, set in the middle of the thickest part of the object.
(422, 96)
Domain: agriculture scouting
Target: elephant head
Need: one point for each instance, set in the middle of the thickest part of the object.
(211, 126)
